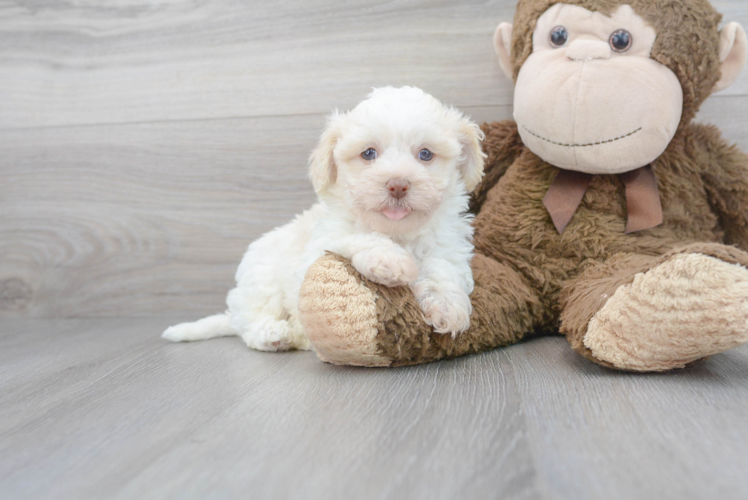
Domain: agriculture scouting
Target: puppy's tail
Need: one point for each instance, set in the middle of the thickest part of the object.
(211, 327)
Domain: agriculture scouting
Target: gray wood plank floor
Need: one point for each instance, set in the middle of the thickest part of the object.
(102, 408)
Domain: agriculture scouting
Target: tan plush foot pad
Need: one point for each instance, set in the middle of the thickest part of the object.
(689, 307)
(339, 315)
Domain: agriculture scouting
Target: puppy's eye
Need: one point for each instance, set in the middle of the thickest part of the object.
(559, 36)
(425, 155)
(621, 41)
(370, 154)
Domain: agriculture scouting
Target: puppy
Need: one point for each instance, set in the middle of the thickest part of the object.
(392, 178)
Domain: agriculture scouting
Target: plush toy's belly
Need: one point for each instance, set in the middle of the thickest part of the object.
(515, 228)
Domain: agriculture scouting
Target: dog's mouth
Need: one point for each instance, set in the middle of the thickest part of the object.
(396, 213)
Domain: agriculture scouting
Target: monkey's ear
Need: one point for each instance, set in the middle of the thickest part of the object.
(502, 42)
(322, 169)
(472, 156)
(733, 48)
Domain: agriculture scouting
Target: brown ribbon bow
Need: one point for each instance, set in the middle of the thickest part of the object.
(642, 198)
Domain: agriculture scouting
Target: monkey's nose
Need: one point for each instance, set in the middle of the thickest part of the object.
(587, 50)
(398, 188)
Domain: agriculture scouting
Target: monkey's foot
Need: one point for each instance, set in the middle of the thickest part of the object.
(339, 313)
(684, 309)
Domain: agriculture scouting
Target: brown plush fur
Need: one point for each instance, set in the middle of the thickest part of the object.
(502, 146)
(528, 277)
(515, 228)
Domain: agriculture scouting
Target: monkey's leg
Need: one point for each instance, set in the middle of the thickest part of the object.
(353, 321)
(649, 314)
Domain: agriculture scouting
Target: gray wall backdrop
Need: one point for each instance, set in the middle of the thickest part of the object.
(145, 143)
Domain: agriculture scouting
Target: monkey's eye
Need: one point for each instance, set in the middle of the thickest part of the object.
(559, 36)
(426, 155)
(621, 41)
(370, 154)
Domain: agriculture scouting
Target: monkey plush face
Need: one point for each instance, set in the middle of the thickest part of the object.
(596, 92)
(589, 98)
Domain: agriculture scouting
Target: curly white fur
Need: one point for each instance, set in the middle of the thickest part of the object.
(423, 239)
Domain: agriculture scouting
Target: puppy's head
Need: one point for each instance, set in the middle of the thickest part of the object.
(395, 158)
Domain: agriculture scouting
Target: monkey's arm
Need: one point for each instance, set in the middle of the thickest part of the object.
(726, 179)
(502, 145)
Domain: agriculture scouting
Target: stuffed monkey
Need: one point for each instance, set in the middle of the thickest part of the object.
(605, 214)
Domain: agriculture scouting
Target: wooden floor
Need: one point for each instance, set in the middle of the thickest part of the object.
(102, 408)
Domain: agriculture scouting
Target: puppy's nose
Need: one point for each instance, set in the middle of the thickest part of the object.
(398, 188)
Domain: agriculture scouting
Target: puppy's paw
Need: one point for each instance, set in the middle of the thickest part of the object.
(390, 267)
(446, 309)
(270, 334)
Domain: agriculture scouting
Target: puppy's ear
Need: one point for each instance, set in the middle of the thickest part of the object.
(322, 169)
(471, 159)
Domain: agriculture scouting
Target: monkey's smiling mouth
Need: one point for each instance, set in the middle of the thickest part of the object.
(598, 143)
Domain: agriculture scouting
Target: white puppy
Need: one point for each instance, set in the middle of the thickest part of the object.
(392, 177)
